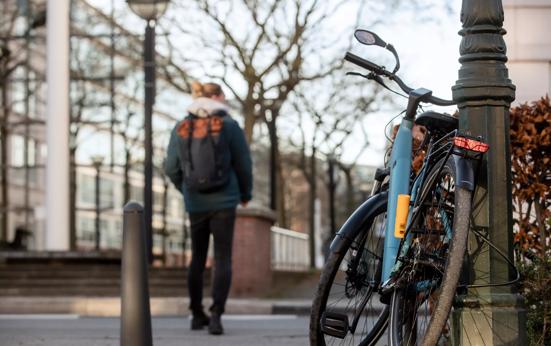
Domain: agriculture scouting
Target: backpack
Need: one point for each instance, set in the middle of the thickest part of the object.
(205, 153)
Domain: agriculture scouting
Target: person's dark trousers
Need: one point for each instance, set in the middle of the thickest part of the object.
(220, 224)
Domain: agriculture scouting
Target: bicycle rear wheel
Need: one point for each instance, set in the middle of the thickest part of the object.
(421, 303)
(346, 309)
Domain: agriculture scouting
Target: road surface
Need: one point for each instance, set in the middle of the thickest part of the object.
(72, 330)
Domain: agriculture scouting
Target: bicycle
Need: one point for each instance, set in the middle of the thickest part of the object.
(396, 262)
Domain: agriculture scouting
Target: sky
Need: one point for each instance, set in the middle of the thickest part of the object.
(429, 52)
(428, 46)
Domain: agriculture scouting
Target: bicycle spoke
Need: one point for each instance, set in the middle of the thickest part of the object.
(351, 300)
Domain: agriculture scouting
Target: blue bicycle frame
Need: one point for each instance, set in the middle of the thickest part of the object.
(399, 184)
(400, 171)
(400, 165)
(400, 168)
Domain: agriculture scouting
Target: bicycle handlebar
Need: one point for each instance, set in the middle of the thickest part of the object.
(368, 65)
(379, 70)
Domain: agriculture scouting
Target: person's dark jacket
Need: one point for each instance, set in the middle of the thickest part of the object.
(239, 188)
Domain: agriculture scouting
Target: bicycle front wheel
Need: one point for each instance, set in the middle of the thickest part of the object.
(346, 309)
(421, 303)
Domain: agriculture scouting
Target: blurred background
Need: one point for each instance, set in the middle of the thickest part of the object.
(316, 135)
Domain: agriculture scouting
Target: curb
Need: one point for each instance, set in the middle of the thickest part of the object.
(170, 306)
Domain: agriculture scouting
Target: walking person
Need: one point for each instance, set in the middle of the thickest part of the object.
(208, 160)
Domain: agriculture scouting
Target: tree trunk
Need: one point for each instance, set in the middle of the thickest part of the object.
(4, 185)
(273, 175)
(248, 125)
(350, 203)
(72, 199)
(126, 183)
(312, 208)
(164, 231)
(280, 195)
(331, 186)
(277, 183)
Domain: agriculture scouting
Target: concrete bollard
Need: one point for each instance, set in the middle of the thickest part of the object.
(135, 311)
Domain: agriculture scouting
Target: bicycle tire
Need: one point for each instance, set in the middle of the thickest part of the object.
(327, 281)
(409, 299)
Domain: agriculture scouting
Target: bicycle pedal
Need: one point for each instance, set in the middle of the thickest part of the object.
(334, 324)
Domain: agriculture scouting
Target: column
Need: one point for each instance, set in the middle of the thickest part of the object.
(490, 315)
(57, 126)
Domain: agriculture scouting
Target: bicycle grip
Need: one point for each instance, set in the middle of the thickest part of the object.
(368, 65)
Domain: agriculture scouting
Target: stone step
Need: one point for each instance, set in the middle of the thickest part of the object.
(75, 267)
(93, 281)
(78, 274)
(87, 291)
(87, 280)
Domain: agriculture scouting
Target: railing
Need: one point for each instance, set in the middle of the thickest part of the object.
(289, 250)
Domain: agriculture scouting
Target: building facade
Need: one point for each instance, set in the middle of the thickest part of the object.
(106, 124)
(528, 47)
(106, 133)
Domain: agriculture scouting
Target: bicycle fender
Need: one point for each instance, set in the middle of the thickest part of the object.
(354, 224)
(465, 174)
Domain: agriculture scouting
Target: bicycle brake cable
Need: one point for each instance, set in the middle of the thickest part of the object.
(375, 77)
(380, 81)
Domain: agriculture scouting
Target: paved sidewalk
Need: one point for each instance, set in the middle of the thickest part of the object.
(177, 306)
(71, 330)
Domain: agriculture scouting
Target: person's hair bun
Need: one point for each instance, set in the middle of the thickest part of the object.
(199, 89)
(196, 89)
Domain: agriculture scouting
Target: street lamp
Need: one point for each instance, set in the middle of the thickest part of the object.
(97, 162)
(484, 93)
(150, 11)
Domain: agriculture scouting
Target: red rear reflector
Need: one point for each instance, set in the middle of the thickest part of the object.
(470, 144)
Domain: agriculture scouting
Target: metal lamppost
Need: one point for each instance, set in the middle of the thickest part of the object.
(489, 315)
(150, 11)
(97, 161)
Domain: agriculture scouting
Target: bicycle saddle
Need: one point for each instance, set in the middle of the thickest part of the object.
(437, 122)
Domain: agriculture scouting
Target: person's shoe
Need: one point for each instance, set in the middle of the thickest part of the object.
(199, 320)
(215, 325)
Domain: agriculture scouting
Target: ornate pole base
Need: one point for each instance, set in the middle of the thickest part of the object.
(495, 319)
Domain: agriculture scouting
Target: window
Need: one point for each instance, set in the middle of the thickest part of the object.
(175, 205)
(158, 201)
(17, 150)
(31, 152)
(105, 233)
(106, 192)
(136, 193)
(86, 189)
(158, 242)
(116, 235)
(86, 229)
(43, 153)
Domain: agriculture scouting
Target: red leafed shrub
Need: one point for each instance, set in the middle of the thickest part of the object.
(531, 168)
